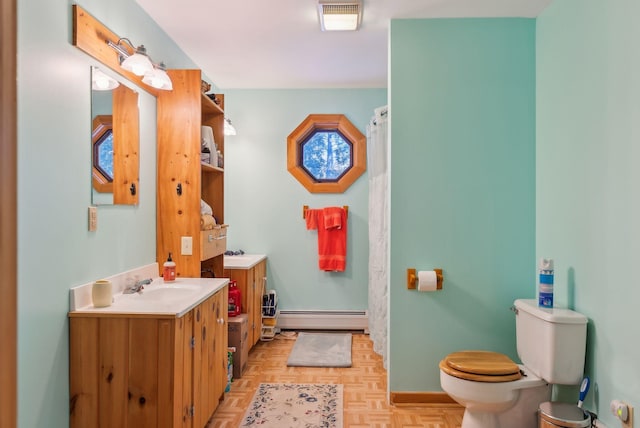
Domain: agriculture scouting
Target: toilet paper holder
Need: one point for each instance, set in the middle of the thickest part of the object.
(412, 278)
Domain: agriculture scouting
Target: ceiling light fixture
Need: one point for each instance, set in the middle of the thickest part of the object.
(338, 15)
(140, 64)
(229, 129)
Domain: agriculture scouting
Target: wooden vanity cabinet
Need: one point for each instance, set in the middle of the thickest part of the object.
(182, 180)
(252, 283)
(148, 371)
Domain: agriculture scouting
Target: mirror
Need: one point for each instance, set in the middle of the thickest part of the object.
(115, 134)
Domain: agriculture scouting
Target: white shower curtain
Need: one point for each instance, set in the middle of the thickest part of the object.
(377, 154)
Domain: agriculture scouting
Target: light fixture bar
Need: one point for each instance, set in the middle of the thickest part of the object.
(118, 48)
(140, 64)
(339, 15)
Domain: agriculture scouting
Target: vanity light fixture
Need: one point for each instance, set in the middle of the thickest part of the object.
(336, 15)
(140, 64)
(102, 82)
(158, 78)
(229, 129)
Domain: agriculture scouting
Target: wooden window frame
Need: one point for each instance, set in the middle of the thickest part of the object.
(326, 122)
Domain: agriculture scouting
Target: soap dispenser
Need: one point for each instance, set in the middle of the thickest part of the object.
(169, 270)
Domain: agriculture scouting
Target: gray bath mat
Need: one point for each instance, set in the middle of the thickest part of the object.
(321, 350)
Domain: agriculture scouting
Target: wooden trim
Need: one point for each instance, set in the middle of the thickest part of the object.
(8, 216)
(327, 122)
(91, 36)
(399, 398)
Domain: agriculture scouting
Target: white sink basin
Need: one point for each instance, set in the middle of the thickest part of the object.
(244, 261)
(168, 292)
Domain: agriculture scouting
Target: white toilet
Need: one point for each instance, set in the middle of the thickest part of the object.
(498, 393)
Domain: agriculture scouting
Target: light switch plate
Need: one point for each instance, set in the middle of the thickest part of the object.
(93, 219)
(186, 246)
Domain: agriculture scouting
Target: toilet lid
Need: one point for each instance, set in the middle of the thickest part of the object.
(481, 366)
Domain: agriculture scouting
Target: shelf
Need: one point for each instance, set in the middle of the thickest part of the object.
(210, 168)
(209, 107)
(267, 333)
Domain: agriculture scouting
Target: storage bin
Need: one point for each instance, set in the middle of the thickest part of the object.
(238, 328)
(213, 242)
(554, 414)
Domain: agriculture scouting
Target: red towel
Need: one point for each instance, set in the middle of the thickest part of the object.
(331, 223)
(311, 218)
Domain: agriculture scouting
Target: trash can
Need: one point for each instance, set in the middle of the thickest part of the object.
(554, 414)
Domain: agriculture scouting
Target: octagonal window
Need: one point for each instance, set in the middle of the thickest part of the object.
(326, 153)
(103, 155)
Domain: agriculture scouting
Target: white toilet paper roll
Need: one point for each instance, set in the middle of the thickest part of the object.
(427, 280)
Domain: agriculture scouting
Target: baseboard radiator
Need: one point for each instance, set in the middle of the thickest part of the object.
(323, 320)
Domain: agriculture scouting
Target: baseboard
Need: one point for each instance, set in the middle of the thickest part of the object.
(352, 320)
(408, 398)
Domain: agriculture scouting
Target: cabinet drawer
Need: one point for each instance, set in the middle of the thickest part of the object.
(213, 242)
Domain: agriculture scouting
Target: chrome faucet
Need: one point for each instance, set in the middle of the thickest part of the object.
(137, 287)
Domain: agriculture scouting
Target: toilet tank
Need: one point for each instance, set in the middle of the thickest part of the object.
(551, 342)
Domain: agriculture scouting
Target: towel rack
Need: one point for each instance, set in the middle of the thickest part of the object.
(306, 207)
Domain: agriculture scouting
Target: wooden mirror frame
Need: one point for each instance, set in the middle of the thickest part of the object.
(326, 122)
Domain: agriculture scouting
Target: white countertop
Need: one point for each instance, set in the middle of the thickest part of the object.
(160, 298)
(244, 261)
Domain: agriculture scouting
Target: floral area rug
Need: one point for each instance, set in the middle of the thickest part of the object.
(283, 405)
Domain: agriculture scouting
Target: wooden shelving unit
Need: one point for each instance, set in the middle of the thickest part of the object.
(182, 178)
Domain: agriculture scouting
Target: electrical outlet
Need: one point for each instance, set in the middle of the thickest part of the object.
(93, 219)
(623, 412)
(186, 247)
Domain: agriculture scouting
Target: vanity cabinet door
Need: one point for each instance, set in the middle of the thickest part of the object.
(220, 345)
(122, 372)
(208, 350)
(205, 329)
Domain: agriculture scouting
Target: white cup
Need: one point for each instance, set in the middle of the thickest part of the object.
(101, 293)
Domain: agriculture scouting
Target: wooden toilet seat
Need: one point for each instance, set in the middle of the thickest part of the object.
(480, 366)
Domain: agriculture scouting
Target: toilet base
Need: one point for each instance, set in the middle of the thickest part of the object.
(523, 414)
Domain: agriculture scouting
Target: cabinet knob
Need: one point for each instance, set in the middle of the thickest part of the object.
(220, 320)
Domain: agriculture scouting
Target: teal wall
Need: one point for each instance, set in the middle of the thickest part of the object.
(263, 201)
(587, 199)
(467, 157)
(55, 249)
(462, 188)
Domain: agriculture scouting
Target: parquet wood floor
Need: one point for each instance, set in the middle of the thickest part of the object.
(365, 389)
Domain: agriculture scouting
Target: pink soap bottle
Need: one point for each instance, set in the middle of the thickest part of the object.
(169, 270)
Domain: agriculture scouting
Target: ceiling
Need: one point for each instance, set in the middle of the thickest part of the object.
(278, 43)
